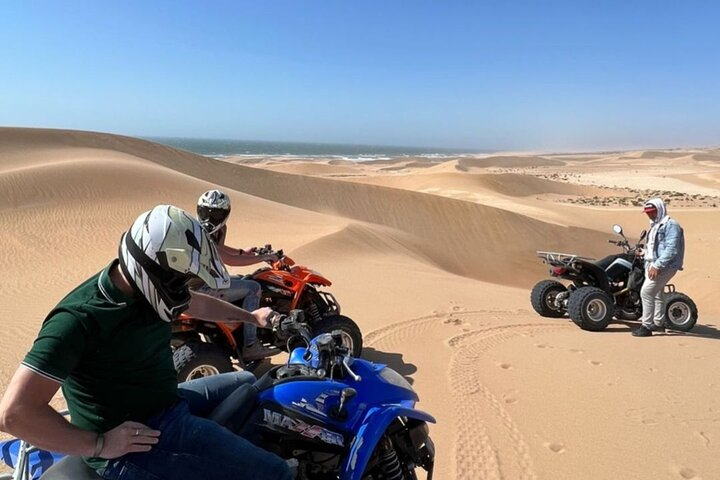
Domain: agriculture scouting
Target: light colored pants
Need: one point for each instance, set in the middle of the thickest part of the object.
(249, 291)
(652, 295)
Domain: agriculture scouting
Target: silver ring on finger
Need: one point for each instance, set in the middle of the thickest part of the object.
(137, 432)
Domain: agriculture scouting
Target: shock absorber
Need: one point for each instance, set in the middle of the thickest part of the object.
(389, 462)
(314, 311)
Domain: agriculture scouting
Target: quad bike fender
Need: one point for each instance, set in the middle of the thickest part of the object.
(598, 274)
(371, 430)
(315, 278)
(39, 461)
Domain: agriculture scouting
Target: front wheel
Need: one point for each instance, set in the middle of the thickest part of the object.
(681, 313)
(543, 296)
(179, 339)
(351, 335)
(197, 359)
(591, 308)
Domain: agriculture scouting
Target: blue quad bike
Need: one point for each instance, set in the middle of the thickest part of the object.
(339, 417)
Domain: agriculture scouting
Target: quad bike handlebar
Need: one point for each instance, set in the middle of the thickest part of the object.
(292, 324)
(331, 352)
(267, 250)
(282, 263)
(636, 249)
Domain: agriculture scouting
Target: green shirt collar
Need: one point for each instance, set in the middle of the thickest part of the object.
(109, 291)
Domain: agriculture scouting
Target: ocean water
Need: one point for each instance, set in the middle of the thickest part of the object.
(226, 148)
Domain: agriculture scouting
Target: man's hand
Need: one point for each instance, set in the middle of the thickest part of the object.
(264, 316)
(271, 258)
(653, 272)
(128, 437)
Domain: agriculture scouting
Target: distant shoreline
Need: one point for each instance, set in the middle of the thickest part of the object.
(295, 150)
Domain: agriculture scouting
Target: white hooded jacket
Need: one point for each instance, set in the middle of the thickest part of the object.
(666, 239)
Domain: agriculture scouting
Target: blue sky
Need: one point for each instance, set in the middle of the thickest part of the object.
(535, 75)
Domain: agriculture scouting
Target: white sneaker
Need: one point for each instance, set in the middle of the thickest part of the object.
(293, 465)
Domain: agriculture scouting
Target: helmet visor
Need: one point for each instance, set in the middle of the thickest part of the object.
(212, 218)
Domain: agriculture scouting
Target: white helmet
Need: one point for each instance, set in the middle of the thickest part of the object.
(163, 252)
(213, 209)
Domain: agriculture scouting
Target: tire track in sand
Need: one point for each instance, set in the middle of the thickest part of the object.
(476, 455)
(465, 382)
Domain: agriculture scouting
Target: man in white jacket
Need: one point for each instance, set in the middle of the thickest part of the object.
(663, 258)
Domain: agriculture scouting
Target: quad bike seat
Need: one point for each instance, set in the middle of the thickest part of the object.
(70, 468)
(604, 263)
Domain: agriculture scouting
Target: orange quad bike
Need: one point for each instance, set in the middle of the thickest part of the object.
(203, 348)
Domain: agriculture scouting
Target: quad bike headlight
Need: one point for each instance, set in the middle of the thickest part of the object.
(394, 378)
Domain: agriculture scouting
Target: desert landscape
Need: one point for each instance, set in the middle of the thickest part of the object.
(434, 259)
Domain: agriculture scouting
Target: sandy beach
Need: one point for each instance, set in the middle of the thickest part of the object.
(435, 261)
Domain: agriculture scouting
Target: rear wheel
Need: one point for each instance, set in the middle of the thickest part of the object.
(680, 312)
(543, 296)
(591, 308)
(351, 335)
(197, 359)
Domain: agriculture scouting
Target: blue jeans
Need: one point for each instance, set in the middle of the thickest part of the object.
(249, 292)
(194, 447)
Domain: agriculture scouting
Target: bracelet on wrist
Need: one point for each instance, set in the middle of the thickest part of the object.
(99, 444)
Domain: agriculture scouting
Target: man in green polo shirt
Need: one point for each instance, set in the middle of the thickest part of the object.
(107, 343)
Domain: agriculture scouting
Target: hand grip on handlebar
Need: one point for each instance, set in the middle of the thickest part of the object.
(289, 322)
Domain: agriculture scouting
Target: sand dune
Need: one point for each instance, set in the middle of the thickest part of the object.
(507, 162)
(468, 239)
(660, 154)
(438, 285)
(514, 185)
(707, 157)
(311, 168)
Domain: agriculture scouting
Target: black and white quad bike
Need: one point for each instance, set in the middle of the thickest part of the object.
(603, 289)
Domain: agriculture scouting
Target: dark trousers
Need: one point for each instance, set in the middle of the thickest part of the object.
(194, 447)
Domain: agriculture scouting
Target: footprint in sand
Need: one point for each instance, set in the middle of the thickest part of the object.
(597, 363)
(541, 345)
(705, 438)
(687, 473)
(452, 321)
(510, 398)
(576, 350)
(473, 390)
(505, 366)
(555, 447)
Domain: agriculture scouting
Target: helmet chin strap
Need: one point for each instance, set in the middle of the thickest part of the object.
(218, 227)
